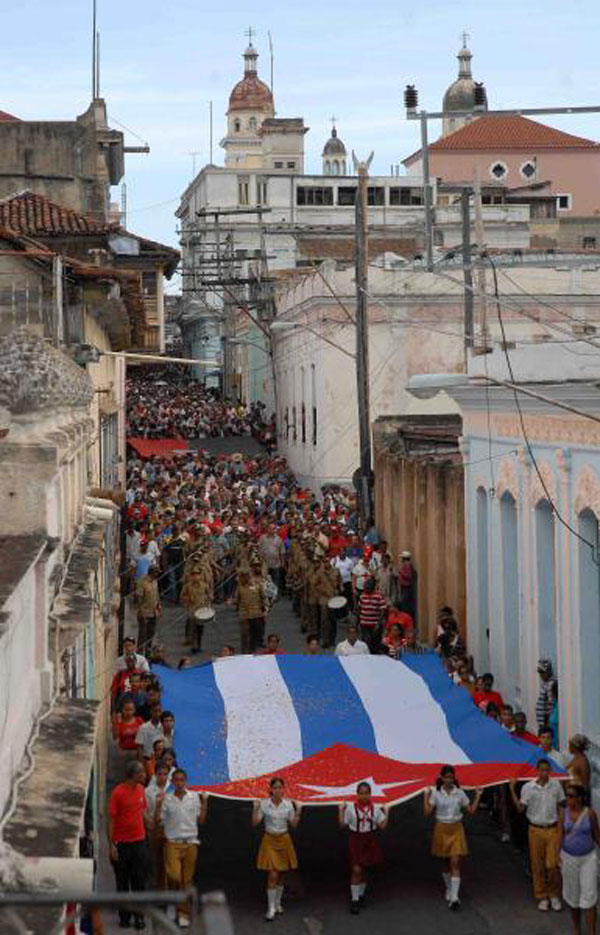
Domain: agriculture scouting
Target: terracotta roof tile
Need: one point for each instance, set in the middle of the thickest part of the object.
(495, 133)
(8, 118)
(31, 214)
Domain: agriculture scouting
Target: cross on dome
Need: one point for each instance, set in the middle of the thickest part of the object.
(465, 39)
(251, 34)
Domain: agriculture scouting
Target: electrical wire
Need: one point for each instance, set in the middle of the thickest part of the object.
(553, 506)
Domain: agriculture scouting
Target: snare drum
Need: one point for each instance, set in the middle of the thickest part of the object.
(338, 607)
(204, 615)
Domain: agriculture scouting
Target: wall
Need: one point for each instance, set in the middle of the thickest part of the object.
(572, 172)
(419, 506)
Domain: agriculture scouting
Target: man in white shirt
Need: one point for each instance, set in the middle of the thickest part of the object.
(149, 732)
(541, 800)
(180, 813)
(141, 663)
(352, 646)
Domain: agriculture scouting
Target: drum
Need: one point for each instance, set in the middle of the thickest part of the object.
(338, 607)
(204, 615)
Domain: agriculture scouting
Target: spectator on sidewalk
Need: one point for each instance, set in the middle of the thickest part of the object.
(545, 698)
(147, 601)
(127, 820)
(371, 608)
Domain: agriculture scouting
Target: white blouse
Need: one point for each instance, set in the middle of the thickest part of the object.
(363, 819)
(276, 816)
(449, 806)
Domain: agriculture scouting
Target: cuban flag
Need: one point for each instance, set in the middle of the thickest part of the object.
(325, 723)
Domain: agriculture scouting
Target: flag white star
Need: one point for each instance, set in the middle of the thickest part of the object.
(377, 789)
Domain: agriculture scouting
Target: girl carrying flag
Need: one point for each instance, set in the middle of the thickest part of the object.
(363, 819)
(276, 854)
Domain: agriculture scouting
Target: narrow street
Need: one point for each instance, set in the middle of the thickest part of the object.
(406, 894)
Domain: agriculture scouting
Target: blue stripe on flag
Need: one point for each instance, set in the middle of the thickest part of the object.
(482, 739)
(327, 705)
(200, 730)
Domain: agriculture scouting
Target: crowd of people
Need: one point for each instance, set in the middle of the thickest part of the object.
(204, 530)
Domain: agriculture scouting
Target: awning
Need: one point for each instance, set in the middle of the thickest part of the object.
(146, 447)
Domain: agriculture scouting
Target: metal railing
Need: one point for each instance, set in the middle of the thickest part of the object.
(209, 915)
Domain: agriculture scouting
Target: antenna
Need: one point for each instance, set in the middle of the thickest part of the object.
(94, 49)
(193, 154)
(271, 54)
(98, 63)
(210, 120)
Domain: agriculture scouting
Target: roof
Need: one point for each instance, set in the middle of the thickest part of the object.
(32, 214)
(334, 145)
(8, 118)
(250, 94)
(492, 134)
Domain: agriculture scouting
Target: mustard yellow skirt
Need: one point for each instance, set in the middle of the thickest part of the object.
(449, 839)
(276, 852)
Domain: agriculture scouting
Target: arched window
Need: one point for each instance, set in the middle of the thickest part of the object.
(546, 579)
(483, 633)
(343, 166)
(327, 167)
(237, 126)
(589, 622)
(336, 167)
(510, 586)
(252, 124)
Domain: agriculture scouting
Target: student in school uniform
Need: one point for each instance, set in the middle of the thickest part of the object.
(450, 803)
(363, 820)
(276, 854)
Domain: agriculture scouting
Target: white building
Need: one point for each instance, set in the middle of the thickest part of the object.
(532, 493)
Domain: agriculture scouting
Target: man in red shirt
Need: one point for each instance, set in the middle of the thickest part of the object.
(371, 607)
(127, 838)
(521, 731)
(483, 698)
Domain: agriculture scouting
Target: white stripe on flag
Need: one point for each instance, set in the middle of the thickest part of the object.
(409, 724)
(263, 731)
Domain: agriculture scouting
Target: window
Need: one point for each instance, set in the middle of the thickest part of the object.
(336, 167)
(589, 622)
(528, 169)
(346, 195)
(262, 191)
(237, 126)
(492, 200)
(303, 424)
(294, 425)
(498, 170)
(287, 423)
(243, 190)
(291, 165)
(375, 196)
(327, 167)
(278, 165)
(252, 124)
(314, 196)
(564, 202)
(510, 585)
(406, 196)
(483, 632)
(546, 579)
(149, 283)
(589, 243)
(313, 386)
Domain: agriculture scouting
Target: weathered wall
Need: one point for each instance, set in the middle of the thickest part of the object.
(419, 505)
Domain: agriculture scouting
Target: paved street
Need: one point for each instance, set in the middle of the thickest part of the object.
(406, 895)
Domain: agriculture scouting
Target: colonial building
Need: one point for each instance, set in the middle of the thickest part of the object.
(71, 162)
(532, 495)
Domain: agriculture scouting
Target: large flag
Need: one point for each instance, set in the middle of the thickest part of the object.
(324, 723)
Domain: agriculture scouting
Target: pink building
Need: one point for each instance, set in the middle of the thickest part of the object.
(520, 154)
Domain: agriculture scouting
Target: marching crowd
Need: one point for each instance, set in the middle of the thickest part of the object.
(233, 529)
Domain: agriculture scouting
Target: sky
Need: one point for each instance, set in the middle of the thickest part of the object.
(161, 64)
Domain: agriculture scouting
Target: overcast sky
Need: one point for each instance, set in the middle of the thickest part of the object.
(162, 62)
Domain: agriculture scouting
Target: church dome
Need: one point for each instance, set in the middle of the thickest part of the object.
(461, 93)
(334, 146)
(251, 93)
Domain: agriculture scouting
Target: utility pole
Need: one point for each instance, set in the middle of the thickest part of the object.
(361, 258)
(465, 205)
(427, 193)
(481, 276)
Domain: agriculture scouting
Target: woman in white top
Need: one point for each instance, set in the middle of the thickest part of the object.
(276, 854)
(449, 803)
(363, 819)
